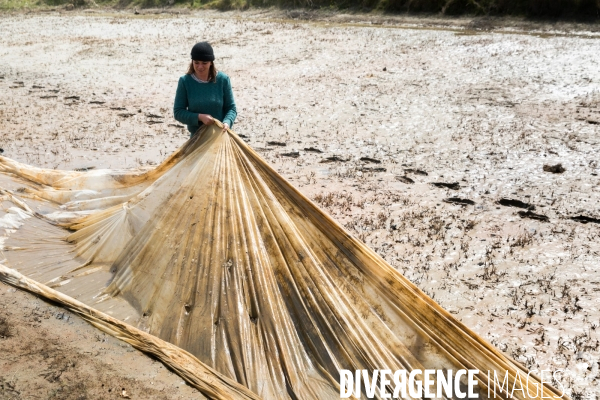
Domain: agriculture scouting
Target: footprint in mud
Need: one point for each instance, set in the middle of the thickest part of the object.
(152, 119)
(373, 169)
(292, 154)
(370, 160)
(180, 126)
(532, 215)
(584, 220)
(97, 102)
(555, 169)
(72, 98)
(6, 330)
(415, 171)
(282, 144)
(126, 115)
(313, 150)
(241, 135)
(118, 108)
(459, 201)
(404, 179)
(333, 159)
(453, 185)
(516, 203)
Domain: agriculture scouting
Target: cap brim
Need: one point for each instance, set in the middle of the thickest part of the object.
(203, 58)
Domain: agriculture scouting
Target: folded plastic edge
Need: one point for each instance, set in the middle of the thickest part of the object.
(197, 374)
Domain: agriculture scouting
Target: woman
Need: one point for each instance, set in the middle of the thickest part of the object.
(203, 93)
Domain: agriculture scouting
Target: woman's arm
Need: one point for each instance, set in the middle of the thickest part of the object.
(229, 108)
(180, 106)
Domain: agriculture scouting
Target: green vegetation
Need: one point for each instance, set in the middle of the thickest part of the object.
(555, 9)
(580, 9)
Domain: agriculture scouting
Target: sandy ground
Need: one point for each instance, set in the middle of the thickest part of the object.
(368, 114)
(49, 353)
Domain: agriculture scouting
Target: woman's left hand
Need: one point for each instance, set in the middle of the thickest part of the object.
(225, 126)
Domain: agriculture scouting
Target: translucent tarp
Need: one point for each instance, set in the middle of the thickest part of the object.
(215, 253)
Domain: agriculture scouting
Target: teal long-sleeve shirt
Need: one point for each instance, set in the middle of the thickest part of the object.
(213, 98)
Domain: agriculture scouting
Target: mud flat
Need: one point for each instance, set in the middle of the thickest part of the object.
(428, 143)
(50, 353)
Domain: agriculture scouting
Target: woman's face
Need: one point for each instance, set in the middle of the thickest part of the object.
(201, 67)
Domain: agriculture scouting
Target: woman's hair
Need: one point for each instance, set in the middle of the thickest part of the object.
(212, 71)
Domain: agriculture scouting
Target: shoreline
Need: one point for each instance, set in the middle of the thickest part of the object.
(467, 24)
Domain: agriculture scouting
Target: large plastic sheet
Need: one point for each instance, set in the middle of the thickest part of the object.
(214, 252)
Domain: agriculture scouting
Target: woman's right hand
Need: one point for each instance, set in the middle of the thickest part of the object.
(206, 119)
